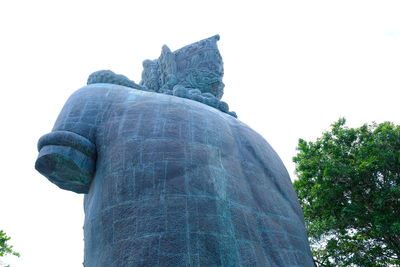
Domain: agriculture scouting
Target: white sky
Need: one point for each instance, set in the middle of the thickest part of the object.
(291, 69)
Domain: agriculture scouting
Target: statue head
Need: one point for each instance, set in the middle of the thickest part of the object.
(195, 66)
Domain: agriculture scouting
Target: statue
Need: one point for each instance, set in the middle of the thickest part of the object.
(171, 177)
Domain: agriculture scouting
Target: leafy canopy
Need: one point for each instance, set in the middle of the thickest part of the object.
(349, 188)
(5, 248)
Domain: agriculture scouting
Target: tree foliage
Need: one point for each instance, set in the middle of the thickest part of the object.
(5, 248)
(349, 188)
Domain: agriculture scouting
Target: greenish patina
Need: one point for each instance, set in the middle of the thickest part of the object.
(194, 72)
(169, 181)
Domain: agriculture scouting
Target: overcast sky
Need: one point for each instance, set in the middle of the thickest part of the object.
(291, 69)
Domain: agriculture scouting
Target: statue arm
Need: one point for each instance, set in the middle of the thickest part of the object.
(67, 155)
(67, 160)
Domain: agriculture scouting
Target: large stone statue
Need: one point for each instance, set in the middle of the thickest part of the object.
(171, 177)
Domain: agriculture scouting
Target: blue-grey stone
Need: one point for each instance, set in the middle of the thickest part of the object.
(223, 106)
(198, 98)
(194, 92)
(171, 80)
(180, 91)
(208, 95)
(169, 181)
(107, 76)
(168, 92)
(172, 182)
(211, 101)
(197, 67)
(232, 113)
(150, 75)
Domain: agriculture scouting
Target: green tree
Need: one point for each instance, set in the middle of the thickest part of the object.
(349, 188)
(5, 248)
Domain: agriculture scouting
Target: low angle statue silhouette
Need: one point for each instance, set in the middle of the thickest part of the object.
(171, 177)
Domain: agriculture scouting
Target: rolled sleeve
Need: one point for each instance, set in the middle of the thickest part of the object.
(67, 160)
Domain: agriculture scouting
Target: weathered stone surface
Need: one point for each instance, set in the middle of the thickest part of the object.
(177, 183)
(197, 67)
(170, 176)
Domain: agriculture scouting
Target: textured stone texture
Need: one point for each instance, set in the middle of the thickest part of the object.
(176, 182)
(171, 177)
(194, 72)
